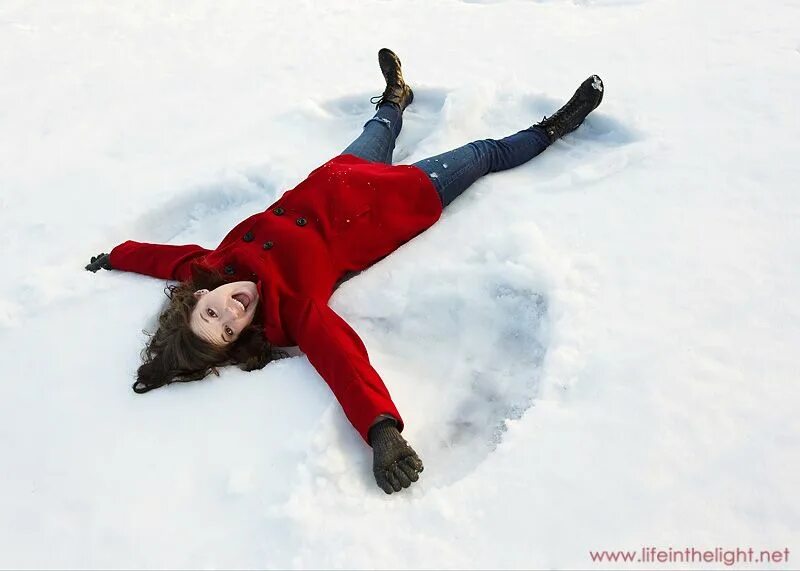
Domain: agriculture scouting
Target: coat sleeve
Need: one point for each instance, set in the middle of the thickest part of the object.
(340, 357)
(157, 260)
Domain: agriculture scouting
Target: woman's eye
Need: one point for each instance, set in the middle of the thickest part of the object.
(211, 312)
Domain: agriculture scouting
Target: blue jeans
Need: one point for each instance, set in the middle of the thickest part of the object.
(454, 171)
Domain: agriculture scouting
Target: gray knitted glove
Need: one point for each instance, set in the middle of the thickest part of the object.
(99, 261)
(395, 464)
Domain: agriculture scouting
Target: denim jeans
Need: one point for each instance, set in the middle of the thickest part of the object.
(376, 141)
(454, 171)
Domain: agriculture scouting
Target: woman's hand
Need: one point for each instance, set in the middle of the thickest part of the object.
(99, 261)
(395, 464)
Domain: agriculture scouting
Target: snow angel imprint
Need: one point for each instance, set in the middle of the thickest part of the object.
(268, 282)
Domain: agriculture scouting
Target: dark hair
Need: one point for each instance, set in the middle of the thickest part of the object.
(175, 354)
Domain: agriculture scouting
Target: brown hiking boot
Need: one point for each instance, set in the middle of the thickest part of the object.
(396, 91)
(570, 116)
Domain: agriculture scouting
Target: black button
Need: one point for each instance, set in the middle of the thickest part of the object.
(229, 269)
(301, 221)
(267, 245)
(278, 211)
(248, 237)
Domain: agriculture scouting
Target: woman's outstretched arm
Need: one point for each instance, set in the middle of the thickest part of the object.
(340, 357)
(158, 260)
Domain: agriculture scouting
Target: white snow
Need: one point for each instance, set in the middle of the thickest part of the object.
(596, 350)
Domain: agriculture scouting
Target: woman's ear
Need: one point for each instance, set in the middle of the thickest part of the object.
(200, 293)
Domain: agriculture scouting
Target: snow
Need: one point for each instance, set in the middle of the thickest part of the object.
(595, 350)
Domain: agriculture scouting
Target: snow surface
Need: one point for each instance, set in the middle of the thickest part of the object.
(596, 350)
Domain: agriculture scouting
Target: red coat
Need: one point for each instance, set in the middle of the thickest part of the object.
(348, 214)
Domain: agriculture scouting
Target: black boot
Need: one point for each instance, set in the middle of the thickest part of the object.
(570, 116)
(396, 91)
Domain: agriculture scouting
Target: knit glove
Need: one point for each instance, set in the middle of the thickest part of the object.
(395, 464)
(99, 261)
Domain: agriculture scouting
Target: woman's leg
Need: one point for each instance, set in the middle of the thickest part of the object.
(376, 142)
(454, 171)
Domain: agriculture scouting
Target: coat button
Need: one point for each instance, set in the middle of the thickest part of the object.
(248, 237)
(301, 221)
(267, 245)
(229, 269)
(278, 211)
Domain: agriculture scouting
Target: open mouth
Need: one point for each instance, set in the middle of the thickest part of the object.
(242, 299)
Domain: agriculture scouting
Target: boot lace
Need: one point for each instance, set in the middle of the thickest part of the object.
(392, 94)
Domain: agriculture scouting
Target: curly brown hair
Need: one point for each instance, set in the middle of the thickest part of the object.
(175, 354)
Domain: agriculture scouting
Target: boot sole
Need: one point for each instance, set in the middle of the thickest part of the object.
(596, 85)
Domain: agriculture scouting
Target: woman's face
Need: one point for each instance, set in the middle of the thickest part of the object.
(222, 313)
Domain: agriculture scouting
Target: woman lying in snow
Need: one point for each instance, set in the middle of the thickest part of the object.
(268, 282)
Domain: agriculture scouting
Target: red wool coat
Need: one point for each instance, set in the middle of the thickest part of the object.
(348, 214)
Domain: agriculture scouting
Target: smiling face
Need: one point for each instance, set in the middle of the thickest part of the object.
(222, 313)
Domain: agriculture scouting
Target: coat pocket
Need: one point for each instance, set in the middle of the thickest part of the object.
(351, 216)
